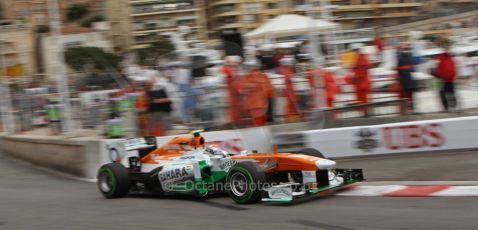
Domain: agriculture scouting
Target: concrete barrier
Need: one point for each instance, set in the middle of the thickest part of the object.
(70, 156)
(82, 157)
(405, 137)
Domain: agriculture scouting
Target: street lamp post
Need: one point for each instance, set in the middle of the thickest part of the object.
(60, 69)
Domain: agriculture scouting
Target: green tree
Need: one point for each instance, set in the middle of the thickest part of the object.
(157, 49)
(87, 59)
(89, 22)
(77, 11)
(42, 29)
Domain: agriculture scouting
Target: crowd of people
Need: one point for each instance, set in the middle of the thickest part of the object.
(251, 97)
(245, 93)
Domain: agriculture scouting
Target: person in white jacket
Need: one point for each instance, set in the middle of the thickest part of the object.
(464, 68)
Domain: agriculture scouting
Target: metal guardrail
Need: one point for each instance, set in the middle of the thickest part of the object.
(368, 110)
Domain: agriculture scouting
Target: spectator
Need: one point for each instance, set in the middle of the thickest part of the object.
(278, 56)
(142, 108)
(184, 79)
(230, 70)
(379, 43)
(330, 86)
(208, 101)
(54, 117)
(266, 83)
(361, 79)
(256, 90)
(464, 68)
(266, 66)
(159, 108)
(349, 58)
(166, 80)
(266, 59)
(446, 71)
(292, 111)
(405, 68)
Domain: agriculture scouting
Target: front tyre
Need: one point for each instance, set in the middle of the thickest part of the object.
(113, 180)
(244, 181)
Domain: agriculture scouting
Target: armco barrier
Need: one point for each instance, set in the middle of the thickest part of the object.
(419, 136)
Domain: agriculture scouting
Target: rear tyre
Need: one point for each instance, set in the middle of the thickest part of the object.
(312, 152)
(113, 180)
(244, 181)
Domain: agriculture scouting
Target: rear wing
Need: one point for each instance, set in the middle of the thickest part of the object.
(121, 149)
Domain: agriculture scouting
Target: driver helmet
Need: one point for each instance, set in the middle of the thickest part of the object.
(214, 150)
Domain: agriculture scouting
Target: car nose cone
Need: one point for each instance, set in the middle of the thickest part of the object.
(325, 164)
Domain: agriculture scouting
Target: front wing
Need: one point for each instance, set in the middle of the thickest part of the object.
(288, 192)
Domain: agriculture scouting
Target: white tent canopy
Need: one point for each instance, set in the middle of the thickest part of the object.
(290, 25)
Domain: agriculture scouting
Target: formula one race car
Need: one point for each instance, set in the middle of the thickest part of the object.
(186, 166)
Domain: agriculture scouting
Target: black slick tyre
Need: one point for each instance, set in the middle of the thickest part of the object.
(244, 182)
(113, 180)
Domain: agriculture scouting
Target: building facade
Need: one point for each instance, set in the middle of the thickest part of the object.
(73, 36)
(35, 12)
(354, 14)
(245, 15)
(17, 50)
(242, 15)
(145, 21)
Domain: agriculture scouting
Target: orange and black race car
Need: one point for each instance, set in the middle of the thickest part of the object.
(185, 165)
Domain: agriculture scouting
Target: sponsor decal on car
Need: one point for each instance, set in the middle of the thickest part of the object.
(228, 164)
(175, 174)
(187, 157)
(280, 193)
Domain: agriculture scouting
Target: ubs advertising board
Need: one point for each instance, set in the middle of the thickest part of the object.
(420, 136)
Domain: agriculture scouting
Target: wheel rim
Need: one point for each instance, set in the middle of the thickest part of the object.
(239, 184)
(106, 182)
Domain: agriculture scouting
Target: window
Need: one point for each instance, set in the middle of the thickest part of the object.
(250, 18)
(272, 5)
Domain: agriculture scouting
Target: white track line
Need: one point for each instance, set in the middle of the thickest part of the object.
(442, 190)
(456, 191)
(371, 190)
(454, 183)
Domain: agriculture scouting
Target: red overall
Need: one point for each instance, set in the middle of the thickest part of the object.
(361, 79)
(291, 109)
(331, 87)
(234, 98)
(256, 89)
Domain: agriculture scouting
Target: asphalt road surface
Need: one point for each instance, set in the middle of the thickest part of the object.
(33, 199)
(425, 166)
